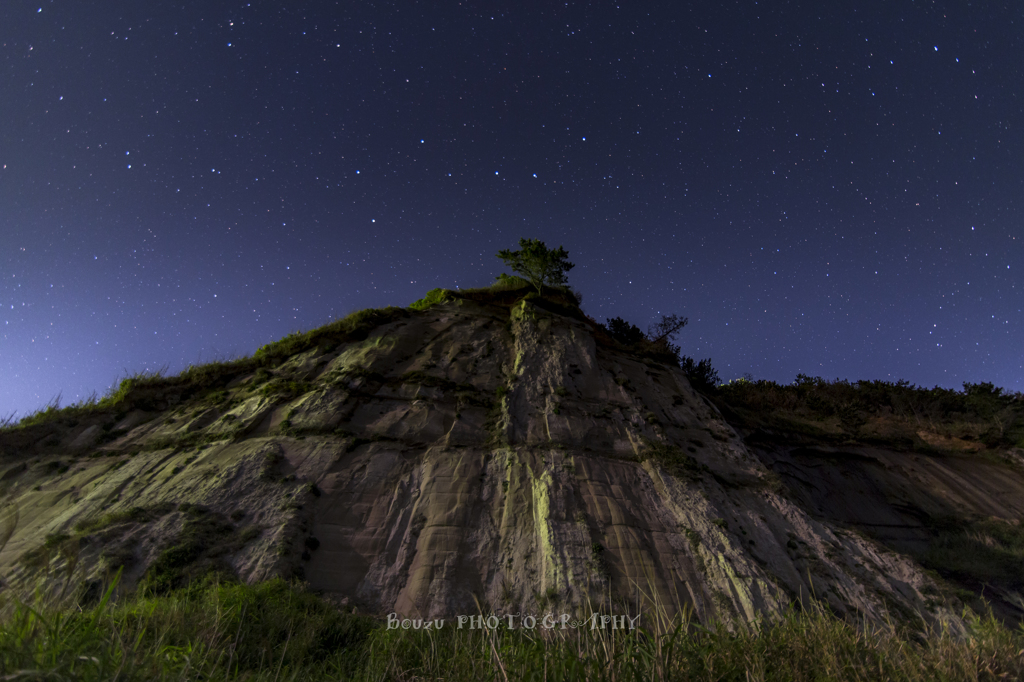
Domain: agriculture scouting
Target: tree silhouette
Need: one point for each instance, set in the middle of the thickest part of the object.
(667, 328)
(538, 264)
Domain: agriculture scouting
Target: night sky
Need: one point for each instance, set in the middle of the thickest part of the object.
(835, 189)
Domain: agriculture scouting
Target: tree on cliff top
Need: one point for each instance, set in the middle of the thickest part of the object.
(538, 264)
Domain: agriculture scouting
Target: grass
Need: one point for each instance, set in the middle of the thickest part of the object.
(134, 514)
(151, 390)
(187, 441)
(194, 553)
(508, 291)
(982, 551)
(439, 295)
(281, 631)
(677, 462)
(354, 327)
(285, 389)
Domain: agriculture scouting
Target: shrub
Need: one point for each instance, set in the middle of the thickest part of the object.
(981, 412)
(677, 462)
(625, 333)
(132, 515)
(702, 375)
(655, 345)
(433, 297)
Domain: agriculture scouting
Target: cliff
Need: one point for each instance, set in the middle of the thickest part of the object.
(487, 451)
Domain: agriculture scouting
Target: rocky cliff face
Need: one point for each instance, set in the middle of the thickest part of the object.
(471, 455)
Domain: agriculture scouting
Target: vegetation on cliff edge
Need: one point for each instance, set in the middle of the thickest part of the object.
(892, 413)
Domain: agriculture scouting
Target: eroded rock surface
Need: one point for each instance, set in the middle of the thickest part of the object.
(474, 456)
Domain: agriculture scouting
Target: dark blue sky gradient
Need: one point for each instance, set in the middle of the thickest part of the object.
(827, 188)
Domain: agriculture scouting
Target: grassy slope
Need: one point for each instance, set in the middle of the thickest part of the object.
(279, 631)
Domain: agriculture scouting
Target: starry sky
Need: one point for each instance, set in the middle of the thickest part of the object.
(827, 188)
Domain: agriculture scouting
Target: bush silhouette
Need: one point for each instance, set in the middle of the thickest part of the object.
(625, 333)
(701, 374)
